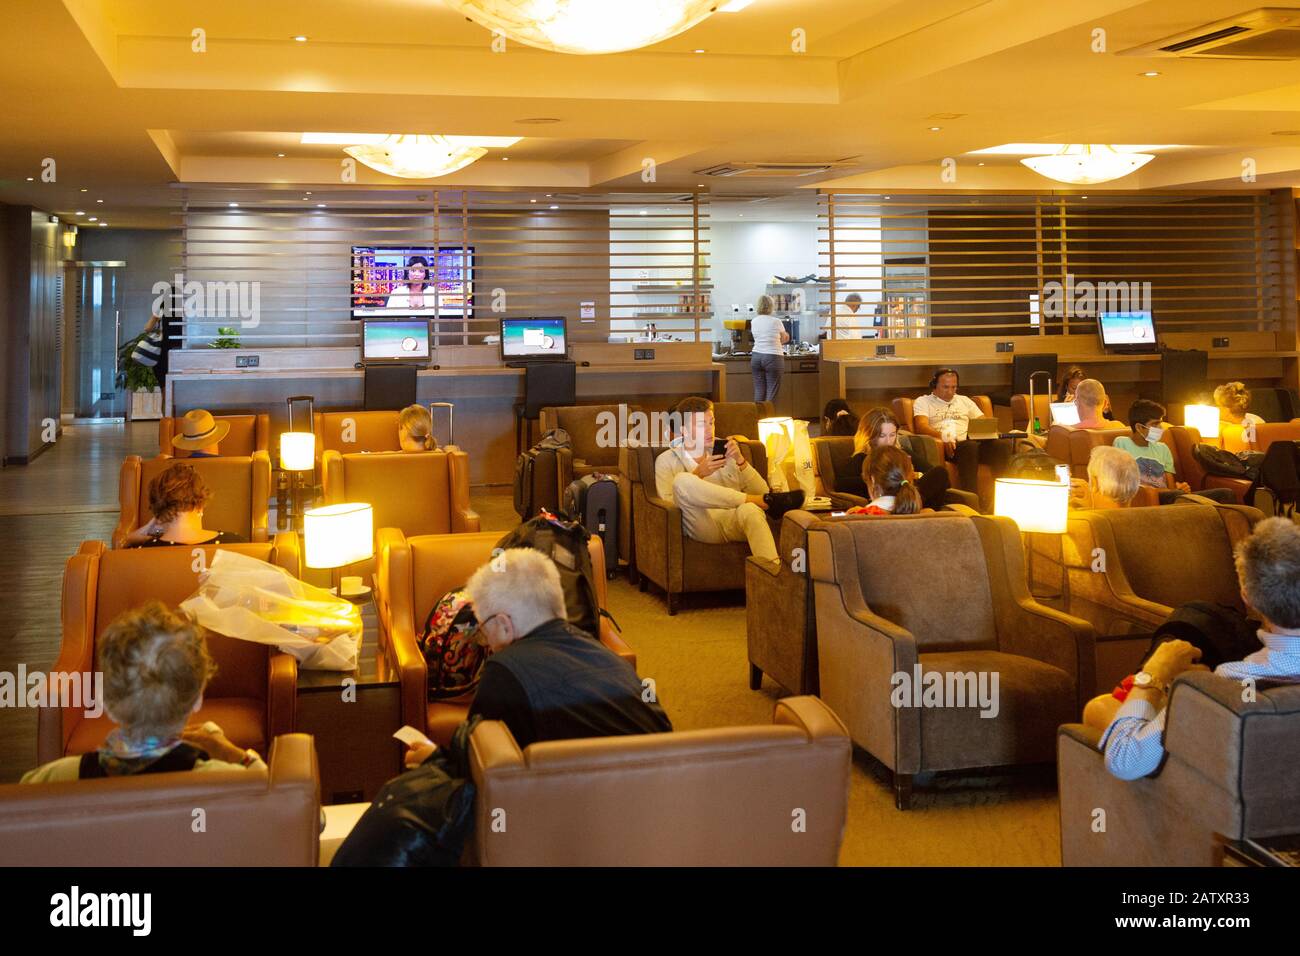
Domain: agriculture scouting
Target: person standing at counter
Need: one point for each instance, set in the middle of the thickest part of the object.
(768, 361)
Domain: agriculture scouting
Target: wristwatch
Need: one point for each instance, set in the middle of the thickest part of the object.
(1145, 681)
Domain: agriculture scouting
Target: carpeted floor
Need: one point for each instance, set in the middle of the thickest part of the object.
(698, 662)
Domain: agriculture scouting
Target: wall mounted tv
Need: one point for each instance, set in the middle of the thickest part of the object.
(393, 281)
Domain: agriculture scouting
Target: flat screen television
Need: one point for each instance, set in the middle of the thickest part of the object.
(1133, 331)
(400, 341)
(395, 281)
(534, 339)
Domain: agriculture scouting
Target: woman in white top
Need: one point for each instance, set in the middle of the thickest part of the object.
(768, 359)
(1233, 399)
(416, 294)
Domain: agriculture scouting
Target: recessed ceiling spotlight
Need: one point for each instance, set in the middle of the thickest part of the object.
(935, 129)
(505, 159)
(102, 225)
(1150, 73)
(979, 164)
(84, 189)
(1083, 197)
(306, 192)
(889, 197)
(320, 205)
(233, 205)
(79, 212)
(299, 39)
(94, 219)
(31, 179)
(532, 200)
(643, 212)
(555, 207)
(697, 51)
(97, 200)
(304, 198)
(279, 155)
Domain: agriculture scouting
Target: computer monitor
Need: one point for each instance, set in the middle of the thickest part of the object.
(405, 342)
(1132, 331)
(534, 339)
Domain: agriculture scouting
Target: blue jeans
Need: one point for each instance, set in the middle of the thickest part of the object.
(767, 371)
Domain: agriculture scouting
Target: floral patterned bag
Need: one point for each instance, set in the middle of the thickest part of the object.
(447, 642)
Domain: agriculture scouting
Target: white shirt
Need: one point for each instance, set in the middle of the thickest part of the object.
(732, 483)
(1250, 418)
(767, 330)
(949, 419)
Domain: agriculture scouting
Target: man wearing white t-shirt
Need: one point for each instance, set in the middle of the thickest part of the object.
(945, 416)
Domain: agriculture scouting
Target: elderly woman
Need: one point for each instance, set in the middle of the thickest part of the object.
(155, 664)
(415, 429)
(1233, 399)
(1113, 480)
(177, 498)
(1268, 570)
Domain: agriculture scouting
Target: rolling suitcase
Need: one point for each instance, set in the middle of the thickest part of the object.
(593, 500)
(537, 475)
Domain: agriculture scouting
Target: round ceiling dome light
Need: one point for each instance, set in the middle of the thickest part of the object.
(586, 26)
(1083, 164)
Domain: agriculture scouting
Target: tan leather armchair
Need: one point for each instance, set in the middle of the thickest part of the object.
(1020, 417)
(665, 556)
(947, 594)
(248, 433)
(411, 575)
(1232, 770)
(240, 486)
(252, 818)
(420, 492)
(832, 454)
(371, 431)
(253, 695)
(1125, 570)
(1181, 438)
(718, 797)
(1270, 432)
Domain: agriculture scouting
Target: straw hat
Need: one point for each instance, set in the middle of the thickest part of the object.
(199, 430)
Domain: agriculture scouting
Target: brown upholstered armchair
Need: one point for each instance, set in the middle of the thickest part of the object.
(665, 556)
(369, 431)
(241, 492)
(1020, 417)
(1182, 438)
(253, 694)
(1125, 570)
(945, 594)
(248, 433)
(420, 492)
(740, 420)
(717, 797)
(254, 818)
(1232, 770)
(832, 455)
(411, 575)
(904, 411)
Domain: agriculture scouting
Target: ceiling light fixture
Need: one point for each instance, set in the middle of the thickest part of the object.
(935, 129)
(94, 219)
(320, 205)
(1150, 73)
(102, 225)
(79, 212)
(84, 189)
(586, 26)
(279, 155)
(1083, 164)
(418, 156)
(31, 179)
(233, 205)
(555, 207)
(697, 51)
(299, 39)
(97, 200)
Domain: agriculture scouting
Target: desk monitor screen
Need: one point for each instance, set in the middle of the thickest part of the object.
(534, 338)
(1133, 331)
(399, 341)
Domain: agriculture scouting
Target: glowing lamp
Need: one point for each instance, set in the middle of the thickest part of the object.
(586, 26)
(1035, 506)
(772, 427)
(777, 436)
(338, 535)
(1204, 418)
(297, 451)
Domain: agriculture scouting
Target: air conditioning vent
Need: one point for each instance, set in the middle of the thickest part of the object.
(769, 170)
(1267, 33)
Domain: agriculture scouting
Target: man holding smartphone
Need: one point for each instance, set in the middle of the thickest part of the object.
(721, 497)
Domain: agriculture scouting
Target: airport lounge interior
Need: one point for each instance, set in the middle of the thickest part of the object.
(650, 433)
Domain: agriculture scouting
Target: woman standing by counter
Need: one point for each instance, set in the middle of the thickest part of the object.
(768, 359)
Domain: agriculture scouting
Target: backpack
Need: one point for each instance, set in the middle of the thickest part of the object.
(537, 475)
(1033, 464)
(447, 643)
(1279, 475)
(565, 543)
(1216, 461)
(1221, 632)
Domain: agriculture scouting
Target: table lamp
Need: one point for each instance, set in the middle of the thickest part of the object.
(1037, 507)
(1204, 418)
(297, 454)
(777, 436)
(335, 536)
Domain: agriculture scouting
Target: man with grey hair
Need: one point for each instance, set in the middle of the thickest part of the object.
(1113, 478)
(1268, 569)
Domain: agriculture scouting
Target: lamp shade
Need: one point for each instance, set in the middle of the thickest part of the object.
(338, 535)
(1037, 506)
(1204, 418)
(768, 427)
(1084, 164)
(297, 451)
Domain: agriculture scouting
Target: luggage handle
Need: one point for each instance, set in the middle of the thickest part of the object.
(451, 421)
(311, 410)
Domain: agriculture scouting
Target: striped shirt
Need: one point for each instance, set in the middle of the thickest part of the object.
(1134, 741)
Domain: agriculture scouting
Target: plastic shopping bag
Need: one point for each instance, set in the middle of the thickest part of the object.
(252, 600)
(778, 449)
(805, 477)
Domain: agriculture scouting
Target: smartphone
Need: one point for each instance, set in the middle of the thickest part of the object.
(719, 446)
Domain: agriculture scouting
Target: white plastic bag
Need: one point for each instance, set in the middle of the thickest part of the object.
(778, 449)
(252, 600)
(804, 475)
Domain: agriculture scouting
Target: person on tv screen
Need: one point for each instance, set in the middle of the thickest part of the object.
(416, 294)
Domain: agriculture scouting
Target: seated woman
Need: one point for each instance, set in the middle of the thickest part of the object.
(879, 428)
(838, 418)
(1233, 399)
(177, 498)
(415, 429)
(1113, 481)
(888, 474)
(1070, 383)
(155, 664)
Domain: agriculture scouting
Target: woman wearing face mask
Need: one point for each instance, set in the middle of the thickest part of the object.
(1155, 459)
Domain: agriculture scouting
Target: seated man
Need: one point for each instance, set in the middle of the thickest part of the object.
(1154, 458)
(155, 664)
(721, 497)
(1091, 401)
(201, 434)
(1268, 568)
(177, 497)
(1113, 481)
(945, 415)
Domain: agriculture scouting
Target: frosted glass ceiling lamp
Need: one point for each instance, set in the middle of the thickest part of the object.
(586, 26)
(417, 156)
(1083, 164)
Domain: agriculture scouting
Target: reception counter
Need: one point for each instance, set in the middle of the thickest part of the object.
(483, 391)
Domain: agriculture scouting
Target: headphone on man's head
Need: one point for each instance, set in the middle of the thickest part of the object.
(939, 373)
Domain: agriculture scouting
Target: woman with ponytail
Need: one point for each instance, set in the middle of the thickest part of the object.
(415, 429)
(889, 476)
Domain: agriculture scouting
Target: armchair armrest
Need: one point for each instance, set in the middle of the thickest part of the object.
(396, 624)
(1053, 637)
(754, 451)
(614, 641)
(1204, 725)
(260, 495)
(288, 552)
(463, 517)
(331, 473)
(281, 694)
(128, 499)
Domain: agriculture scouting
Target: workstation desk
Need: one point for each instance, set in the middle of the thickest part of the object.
(483, 391)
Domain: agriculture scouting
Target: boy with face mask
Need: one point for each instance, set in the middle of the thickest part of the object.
(1155, 459)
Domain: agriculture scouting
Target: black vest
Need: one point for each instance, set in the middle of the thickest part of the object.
(179, 758)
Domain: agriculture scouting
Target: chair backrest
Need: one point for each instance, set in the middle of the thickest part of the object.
(1020, 416)
(1273, 404)
(234, 505)
(716, 797)
(413, 491)
(739, 418)
(1270, 432)
(369, 430)
(388, 386)
(926, 573)
(585, 424)
(1074, 445)
(1174, 555)
(830, 454)
(549, 383)
(248, 433)
(904, 409)
(252, 818)
(641, 470)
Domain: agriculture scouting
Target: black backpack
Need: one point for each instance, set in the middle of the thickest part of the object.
(565, 543)
(1033, 464)
(1216, 461)
(1279, 475)
(1221, 632)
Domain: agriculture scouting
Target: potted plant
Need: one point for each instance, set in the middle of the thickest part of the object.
(228, 338)
(140, 382)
